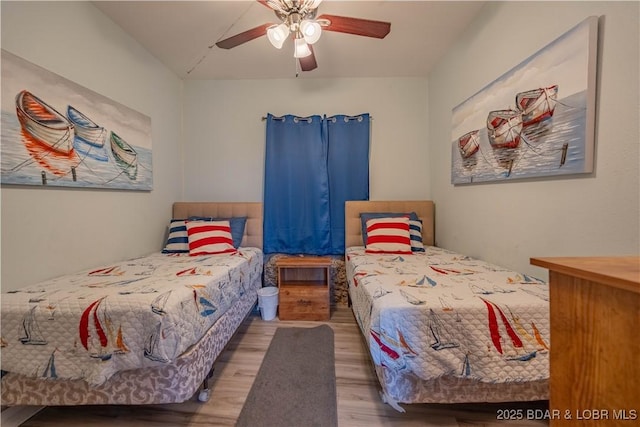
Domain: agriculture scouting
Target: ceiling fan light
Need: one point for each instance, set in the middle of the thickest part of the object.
(277, 34)
(311, 31)
(301, 49)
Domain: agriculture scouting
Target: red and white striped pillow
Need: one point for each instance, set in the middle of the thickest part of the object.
(388, 235)
(209, 237)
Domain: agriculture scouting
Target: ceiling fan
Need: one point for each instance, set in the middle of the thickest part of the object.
(298, 20)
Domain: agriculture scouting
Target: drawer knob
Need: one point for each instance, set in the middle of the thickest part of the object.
(304, 302)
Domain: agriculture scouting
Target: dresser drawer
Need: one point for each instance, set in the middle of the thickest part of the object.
(304, 303)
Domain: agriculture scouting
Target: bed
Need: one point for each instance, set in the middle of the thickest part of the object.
(442, 327)
(141, 331)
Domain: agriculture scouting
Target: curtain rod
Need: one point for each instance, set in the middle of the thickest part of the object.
(348, 117)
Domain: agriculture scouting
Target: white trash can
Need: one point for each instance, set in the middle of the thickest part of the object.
(268, 302)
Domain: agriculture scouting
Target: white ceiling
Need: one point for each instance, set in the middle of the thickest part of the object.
(180, 33)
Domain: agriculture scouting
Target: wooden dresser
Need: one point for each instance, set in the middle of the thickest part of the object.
(595, 340)
(305, 283)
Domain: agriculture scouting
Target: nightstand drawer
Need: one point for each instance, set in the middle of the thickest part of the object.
(304, 303)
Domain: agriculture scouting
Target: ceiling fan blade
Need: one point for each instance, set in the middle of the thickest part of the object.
(357, 26)
(308, 63)
(243, 37)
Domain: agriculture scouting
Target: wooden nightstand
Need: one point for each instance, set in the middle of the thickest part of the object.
(304, 283)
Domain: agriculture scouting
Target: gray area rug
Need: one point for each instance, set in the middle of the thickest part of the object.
(296, 383)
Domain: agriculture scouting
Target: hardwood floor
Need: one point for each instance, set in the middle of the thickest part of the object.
(359, 403)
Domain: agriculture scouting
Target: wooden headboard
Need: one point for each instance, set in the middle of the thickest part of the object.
(252, 210)
(353, 227)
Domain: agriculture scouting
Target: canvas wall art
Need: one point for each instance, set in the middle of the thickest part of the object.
(58, 133)
(538, 119)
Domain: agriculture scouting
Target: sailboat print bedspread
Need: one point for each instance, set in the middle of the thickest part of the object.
(440, 313)
(139, 313)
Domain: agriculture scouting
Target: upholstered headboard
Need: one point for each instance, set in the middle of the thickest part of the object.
(252, 210)
(353, 227)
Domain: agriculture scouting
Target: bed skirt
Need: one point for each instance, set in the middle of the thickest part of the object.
(408, 388)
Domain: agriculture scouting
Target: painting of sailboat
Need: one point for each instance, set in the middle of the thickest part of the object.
(151, 348)
(54, 132)
(535, 120)
(535, 339)
(85, 128)
(32, 334)
(50, 369)
(157, 306)
(207, 307)
(89, 137)
(469, 144)
(97, 333)
(466, 367)
(537, 104)
(443, 339)
(44, 123)
(446, 304)
(504, 128)
(126, 157)
(538, 336)
(121, 347)
(384, 352)
(514, 349)
(410, 298)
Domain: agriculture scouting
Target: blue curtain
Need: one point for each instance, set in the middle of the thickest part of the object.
(296, 187)
(312, 166)
(348, 166)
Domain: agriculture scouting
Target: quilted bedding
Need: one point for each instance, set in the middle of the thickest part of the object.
(139, 313)
(439, 314)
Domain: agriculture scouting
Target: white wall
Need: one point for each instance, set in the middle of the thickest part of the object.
(49, 232)
(507, 223)
(225, 136)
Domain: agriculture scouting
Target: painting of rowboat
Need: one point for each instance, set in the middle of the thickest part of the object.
(58, 133)
(536, 120)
